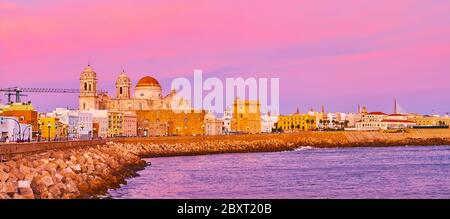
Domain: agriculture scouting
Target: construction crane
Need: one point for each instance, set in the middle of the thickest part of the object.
(17, 92)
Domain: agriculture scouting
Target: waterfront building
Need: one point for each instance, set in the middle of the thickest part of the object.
(268, 122)
(430, 121)
(129, 125)
(25, 113)
(11, 130)
(169, 122)
(246, 116)
(100, 123)
(115, 120)
(352, 119)
(52, 129)
(148, 99)
(213, 126)
(382, 121)
(296, 122)
(227, 118)
(371, 121)
(85, 125)
(147, 95)
(66, 117)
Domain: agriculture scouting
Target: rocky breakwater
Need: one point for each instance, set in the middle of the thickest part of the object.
(68, 173)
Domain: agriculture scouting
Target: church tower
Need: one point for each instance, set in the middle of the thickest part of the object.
(88, 89)
(123, 86)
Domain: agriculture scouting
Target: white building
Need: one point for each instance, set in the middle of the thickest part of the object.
(11, 130)
(213, 126)
(268, 122)
(382, 121)
(371, 121)
(100, 117)
(353, 118)
(85, 121)
(69, 118)
(227, 117)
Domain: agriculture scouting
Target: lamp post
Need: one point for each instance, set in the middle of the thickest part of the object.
(40, 130)
(56, 128)
(82, 127)
(26, 128)
(49, 126)
(74, 132)
(65, 133)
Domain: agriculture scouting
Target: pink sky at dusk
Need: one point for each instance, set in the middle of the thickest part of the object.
(337, 53)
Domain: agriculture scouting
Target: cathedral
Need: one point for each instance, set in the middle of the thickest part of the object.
(155, 114)
(147, 95)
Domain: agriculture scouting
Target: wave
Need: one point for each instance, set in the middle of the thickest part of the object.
(303, 148)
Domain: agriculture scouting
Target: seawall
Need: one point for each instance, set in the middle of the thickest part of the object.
(84, 169)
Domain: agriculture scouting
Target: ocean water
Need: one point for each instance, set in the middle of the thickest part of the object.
(366, 172)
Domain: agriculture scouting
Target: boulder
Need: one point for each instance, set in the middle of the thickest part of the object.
(4, 195)
(17, 196)
(10, 187)
(26, 193)
(24, 184)
(46, 181)
(3, 176)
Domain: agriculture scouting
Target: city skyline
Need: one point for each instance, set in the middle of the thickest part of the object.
(340, 55)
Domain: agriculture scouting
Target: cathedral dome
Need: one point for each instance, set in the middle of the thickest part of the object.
(148, 82)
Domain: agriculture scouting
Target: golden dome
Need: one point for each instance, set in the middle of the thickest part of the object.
(148, 82)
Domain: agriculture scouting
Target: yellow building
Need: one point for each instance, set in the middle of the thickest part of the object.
(430, 121)
(246, 116)
(115, 122)
(169, 122)
(297, 121)
(51, 128)
(25, 112)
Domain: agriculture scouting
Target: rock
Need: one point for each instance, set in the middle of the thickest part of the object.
(61, 164)
(59, 177)
(56, 190)
(4, 195)
(24, 184)
(10, 187)
(3, 176)
(17, 196)
(26, 193)
(46, 181)
(76, 167)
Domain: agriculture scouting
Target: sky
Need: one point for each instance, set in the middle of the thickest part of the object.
(336, 53)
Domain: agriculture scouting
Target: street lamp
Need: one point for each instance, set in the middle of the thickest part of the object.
(40, 130)
(56, 128)
(49, 126)
(82, 127)
(74, 132)
(65, 132)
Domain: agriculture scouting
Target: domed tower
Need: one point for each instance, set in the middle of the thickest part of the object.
(88, 89)
(148, 88)
(123, 86)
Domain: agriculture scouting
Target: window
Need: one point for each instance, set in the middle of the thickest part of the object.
(85, 86)
(120, 90)
(90, 87)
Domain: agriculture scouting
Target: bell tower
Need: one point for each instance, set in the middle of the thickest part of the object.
(123, 86)
(88, 89)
